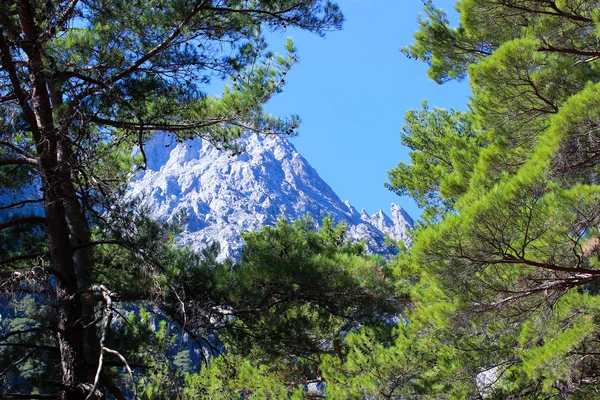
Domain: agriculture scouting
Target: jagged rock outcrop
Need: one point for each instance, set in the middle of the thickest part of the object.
(222, 195)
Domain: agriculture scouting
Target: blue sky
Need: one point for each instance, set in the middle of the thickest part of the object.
(352, 90)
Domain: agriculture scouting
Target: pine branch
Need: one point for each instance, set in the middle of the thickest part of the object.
(19, 332)
(18, 161)
(16, 149)
(30, 346)
(21, 204)
(23, 221)
(144, 58)
(27, 396)
(157, 127)
(23, 257)
(17, 362)
(8, 64)
(61, 21)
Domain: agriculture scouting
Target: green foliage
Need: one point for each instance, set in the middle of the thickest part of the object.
(503, 276)
(305, 277)
(231, 377)
(444, 151)
(288, 302)
(83, 83)
(404, 367)
(25, 329)
(448, 51)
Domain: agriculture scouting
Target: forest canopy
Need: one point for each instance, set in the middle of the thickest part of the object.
(507, 257)
(496, 298)
(81, 83)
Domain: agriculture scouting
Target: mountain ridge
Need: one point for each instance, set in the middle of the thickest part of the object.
(223, 195)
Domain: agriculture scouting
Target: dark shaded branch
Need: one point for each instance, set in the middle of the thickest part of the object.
(113, 388)
(511, 259)
(17, 362)
(146, 57)
(85, 245)
(263, 309)
(15, 149)
(61, 21)
(9, 66)
(561, 284)
(23, 221)
(85, 78)
(127, 367)
(156, 127)
(20, 332)
(516, 260)
(18, 161)
(566, 50)
(20, 204)
(8, 98)
(272, 14)
(132, 365)
(27, 396)
(31, 346)
(552, 5)
(103, 242)
(141, 146)
(30, 256)
(539, 95)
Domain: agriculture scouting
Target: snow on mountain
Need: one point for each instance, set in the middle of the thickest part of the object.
(223, 195)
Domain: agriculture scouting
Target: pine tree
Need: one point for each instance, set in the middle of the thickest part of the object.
(517, 253)
(81, 83)
(504, 280)
(288, 304)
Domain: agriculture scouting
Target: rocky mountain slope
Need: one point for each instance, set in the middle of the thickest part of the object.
(222, 195)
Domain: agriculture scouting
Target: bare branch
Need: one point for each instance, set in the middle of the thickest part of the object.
(108, 314)
(135, 396)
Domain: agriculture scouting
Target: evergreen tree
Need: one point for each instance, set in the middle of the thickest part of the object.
(294, 296)
(81, 83)
(444, 150)
(506, 275)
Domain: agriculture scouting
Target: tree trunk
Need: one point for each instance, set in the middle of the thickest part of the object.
(68, 304)
(67, 225)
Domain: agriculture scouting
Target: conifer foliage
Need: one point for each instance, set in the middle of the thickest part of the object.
(81, 83)
(507, 265)
(497, 298)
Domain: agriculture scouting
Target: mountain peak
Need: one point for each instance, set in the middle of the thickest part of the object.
(399, 214)
(224, 195)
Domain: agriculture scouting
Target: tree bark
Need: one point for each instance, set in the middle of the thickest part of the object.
(67, 225)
